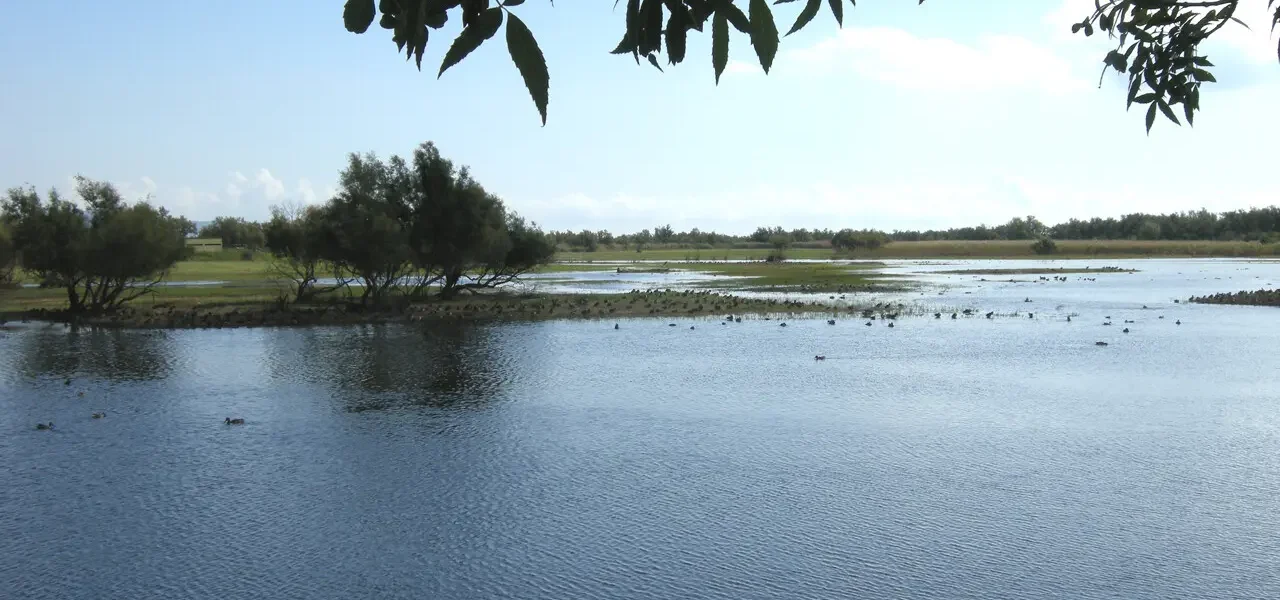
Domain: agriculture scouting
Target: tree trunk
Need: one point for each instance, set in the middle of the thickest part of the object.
(449, 288)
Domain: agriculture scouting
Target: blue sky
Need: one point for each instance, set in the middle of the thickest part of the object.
(945, 114)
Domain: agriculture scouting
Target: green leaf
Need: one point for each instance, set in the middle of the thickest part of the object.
(807, 14)
(1168, 112)
(633, 28)
(719, 43)
(764, 33)
(420, 46)
(625, 46)
(1203, 75)
(530, 62)
(437, 19)
(837, 10)
(472, 36)
(653, 60)
(676, 32)
(1145, 98)
(510, 3)
(357, 15)
(1190, 112)
(651, 34)
(735, 15)
(1151, 117)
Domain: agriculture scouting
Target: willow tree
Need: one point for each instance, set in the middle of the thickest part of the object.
(8, 258)
(102, 250)
(1158, 41)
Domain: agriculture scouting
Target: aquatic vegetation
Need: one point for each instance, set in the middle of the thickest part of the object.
(1245, 298)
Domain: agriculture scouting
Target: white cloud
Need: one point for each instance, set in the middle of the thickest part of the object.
(240, 195)
(901, 58)
(271, 187)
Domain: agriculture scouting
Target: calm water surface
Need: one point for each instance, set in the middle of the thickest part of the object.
(967, 458)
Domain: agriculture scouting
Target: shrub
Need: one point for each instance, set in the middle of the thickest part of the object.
(1044, 245)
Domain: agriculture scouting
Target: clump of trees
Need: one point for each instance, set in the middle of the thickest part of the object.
(416, 226)
(102, 250)
(864, 239)
(235, 232)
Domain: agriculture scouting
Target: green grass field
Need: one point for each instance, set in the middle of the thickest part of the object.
(251, 281)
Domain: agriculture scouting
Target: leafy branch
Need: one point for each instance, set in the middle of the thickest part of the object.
(1158, 48)
(1158, 40)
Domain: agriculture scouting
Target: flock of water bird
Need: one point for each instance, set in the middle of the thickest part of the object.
(891, 317)
(49, 426)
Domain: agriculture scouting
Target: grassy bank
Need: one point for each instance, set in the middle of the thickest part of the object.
(957, 249)
(512, 307)
(793, 277)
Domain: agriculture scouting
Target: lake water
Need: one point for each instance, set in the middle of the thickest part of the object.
(966, 458)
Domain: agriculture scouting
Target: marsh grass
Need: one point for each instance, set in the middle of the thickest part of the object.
(794, 276)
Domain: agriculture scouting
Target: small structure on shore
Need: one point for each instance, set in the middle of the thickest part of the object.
(204, 244)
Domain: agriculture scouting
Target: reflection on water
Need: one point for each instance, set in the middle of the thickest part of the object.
(381, 366)
(966, 458)
(60, 352)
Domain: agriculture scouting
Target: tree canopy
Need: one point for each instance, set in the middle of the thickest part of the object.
(103, 253)
(407, 225)
(235, 232)
(1158, 41)
(7, 255)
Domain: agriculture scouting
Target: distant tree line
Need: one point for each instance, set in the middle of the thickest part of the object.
(235, 232)
(1255, 224)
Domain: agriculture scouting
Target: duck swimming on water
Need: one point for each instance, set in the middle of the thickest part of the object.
(230, 421)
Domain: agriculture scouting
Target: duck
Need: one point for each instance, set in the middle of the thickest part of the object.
(44, 426)
(99, 415)
(831, 321)
(230, 421)
(1099, 343)
(819, 357)
(615, 326)
(891, 323)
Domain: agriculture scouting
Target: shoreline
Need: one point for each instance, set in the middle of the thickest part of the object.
(479, 308)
